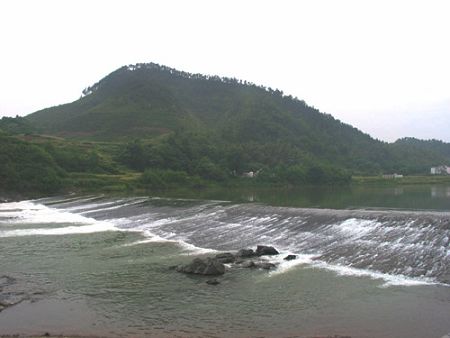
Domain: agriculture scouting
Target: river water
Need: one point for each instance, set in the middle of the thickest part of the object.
(96, 265)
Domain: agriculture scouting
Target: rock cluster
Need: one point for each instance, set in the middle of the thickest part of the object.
(207, 267)
(244, 258)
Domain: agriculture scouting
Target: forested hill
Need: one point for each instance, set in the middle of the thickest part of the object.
(148, 99)
(230, 124)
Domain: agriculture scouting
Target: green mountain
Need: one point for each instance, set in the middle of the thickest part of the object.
(148, 99)
(197, 123)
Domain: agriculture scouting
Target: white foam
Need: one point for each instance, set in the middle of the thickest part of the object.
(285, 266)
(83, 229)
(15, 205)
(32, 213)
(356, 228)
(188, 248)
(91, 206)
(390, 280)
(107, 208)
(142, 224)
(153, 239)
(29, 212)
(342, 270)
(77, 199)
(191, 249)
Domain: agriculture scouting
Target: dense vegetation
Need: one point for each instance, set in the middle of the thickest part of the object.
(27, 168)
(417, 156)
(16, 125)
(190, 130)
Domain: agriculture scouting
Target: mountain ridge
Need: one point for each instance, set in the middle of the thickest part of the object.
(150, 101)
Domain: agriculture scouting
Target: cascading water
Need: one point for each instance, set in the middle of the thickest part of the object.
(401, 247)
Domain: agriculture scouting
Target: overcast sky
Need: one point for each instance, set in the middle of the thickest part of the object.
(382, 66)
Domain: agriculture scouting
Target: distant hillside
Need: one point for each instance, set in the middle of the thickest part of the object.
(230, 123)
(415, 155)
(429, 148)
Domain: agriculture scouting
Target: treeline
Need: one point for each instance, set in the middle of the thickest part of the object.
(16, 125)
(157, 68)
(207, 157)
(45, 167)
(25, 167)
(184, 159)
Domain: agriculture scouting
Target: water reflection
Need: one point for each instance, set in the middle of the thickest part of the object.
(437, 191)
(336, 197)
(399, 191)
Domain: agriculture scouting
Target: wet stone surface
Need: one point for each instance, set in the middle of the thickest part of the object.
(13, 292)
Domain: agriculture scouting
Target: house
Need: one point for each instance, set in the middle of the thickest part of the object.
(249, 174)
(440, 170)
(392, 176)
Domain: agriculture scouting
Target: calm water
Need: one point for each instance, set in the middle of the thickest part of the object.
(371, 262)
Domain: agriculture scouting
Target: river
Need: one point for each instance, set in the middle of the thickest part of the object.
(370, 262)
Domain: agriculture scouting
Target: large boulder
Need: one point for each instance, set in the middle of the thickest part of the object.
(245, 253)
(248, 264)
(265, 265)
(207, 267)
(263, 250)
(225, 257)
(290, 257)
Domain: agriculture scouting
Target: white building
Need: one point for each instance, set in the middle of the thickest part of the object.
(440, 170)
(392, 176)
(249, 174)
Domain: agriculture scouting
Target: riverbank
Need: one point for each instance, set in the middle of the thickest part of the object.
(405, 180)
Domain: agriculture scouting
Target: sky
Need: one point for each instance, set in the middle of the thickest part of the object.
(381, 66)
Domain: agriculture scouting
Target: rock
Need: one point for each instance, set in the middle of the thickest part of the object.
(262, 250)
(213, 267)
(6, 280)
(10, 299)
(225, 258)
(290, 257)
(248, 264)
(245, 253)
(208, 266)
(212, 281)
(265, 265)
